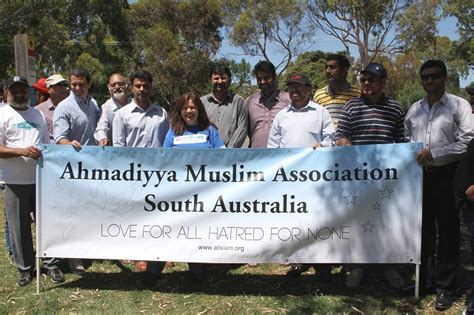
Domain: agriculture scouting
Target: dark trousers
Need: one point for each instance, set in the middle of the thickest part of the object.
(440, 230)
(468, 215)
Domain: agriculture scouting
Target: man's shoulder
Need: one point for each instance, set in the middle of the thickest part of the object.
(254, 98)
(205, 98)
(108, 104)
(159, 109)
(395, 104)
(236, 98)
(321, 92)
(354, 102)
(455, 98)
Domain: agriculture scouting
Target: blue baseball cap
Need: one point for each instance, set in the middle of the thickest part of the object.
(376, 69)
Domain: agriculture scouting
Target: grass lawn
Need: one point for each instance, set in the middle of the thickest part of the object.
(262, 289)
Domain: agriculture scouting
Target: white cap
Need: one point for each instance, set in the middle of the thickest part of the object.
(55, 79)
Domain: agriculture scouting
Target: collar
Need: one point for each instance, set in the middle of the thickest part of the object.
(310, 106)
(226, 99)
(137, 108)
(80, 101)
(442, 101)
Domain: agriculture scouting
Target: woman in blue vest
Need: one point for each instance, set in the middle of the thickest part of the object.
(190, 125)
(191, 128)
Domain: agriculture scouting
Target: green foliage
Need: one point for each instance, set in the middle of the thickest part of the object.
(312, 64)
(175, 41)
(463, 10)
(241, 73)
(64, 31)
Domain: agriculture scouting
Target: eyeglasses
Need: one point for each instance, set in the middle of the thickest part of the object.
(368, 80)
(433, 76)
(117, 84)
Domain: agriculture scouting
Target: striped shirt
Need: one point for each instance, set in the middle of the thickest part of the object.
(364, 123)
(335, 101)
(75, 119)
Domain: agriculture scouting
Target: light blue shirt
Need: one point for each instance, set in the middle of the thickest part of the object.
(75, 119)
(135, 127)
(107, 114)
(301, 128)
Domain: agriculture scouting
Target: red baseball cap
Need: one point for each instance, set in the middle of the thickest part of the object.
(40, 86)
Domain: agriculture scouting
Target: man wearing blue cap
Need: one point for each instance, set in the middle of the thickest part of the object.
(22, 128)
(371, 119)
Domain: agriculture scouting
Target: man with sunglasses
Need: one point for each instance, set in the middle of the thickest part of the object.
(58, 89)
(443, 123)
(371, 119)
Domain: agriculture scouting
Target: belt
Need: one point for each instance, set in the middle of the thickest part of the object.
(441, 168)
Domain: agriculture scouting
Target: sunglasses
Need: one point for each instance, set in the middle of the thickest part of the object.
(433, 76)
(368, 80)
(62, 84)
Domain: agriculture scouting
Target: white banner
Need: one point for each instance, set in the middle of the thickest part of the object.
(359, 204)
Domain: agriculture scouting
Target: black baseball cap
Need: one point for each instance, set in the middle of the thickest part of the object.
(376, 69)
(17, 80)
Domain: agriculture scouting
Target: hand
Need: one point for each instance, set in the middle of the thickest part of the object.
(424, 157)
(470, 193)
(343, 142)
(317, 145)
(32, 152)
(104, 142)
(76, 144)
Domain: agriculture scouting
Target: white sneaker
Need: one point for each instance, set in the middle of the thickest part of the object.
(354, 277)
(75, 264)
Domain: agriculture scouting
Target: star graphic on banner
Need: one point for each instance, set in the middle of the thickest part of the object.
(386, 193)
(350, 199)
(368, 227)
(376, 206)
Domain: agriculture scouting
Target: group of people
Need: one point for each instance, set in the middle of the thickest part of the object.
(338, 114)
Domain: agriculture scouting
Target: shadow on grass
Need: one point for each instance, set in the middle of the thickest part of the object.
(374, 291)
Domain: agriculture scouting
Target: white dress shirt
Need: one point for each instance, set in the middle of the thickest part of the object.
(301, 128)
(445, 128)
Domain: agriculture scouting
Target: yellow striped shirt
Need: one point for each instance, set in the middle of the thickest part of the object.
(335, 102)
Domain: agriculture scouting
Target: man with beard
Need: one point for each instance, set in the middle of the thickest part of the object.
(58, 89)
(371, 119)
(338, 91)
(303, 123)
(22, 128)
(75, 119)
(264, 105)
(225, 109)
(443, 123)
(141, 124)
(118, 90)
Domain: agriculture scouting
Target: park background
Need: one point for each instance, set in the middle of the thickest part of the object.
(177, 41)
